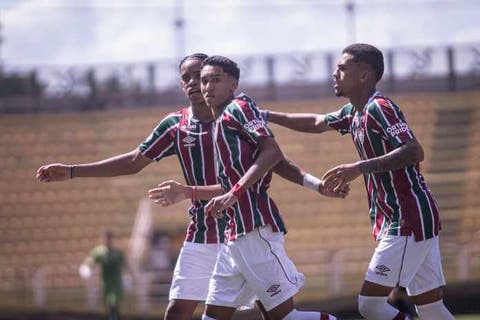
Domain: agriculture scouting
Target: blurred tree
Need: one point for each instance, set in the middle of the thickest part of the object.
(14, 84)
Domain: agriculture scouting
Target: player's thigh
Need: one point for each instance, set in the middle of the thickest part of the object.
(263, 262)
(180, 309)
(227, 287)
(193, 271)
(427, 285)
(219, 312)
(428, 297)
(372, 289)
(283, 309)
(395, 261)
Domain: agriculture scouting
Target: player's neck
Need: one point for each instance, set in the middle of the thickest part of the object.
(217, 111)
(202, 112)
(359, 99)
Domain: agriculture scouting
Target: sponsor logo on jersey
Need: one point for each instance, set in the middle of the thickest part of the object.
(190, 126)
(274, 290)
(189, 141)
(254, 125)
(382, 270)
(397, 129)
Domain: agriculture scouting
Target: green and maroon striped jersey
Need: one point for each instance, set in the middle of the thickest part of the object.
(400, 202)
(191, 140)
(237, 133)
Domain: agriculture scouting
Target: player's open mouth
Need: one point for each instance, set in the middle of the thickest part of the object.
(193, 92)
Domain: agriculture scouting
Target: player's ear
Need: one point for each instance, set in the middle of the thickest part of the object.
(367, 74)
(234, 84)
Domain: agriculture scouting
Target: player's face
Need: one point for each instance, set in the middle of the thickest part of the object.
(190, 80)
(347, 76)
(217, 86)
(108, 241)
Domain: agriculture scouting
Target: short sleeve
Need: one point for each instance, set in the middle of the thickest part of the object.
(390, 122)
(161, 142)
(249, 118)
(97, 254)
(340, 120)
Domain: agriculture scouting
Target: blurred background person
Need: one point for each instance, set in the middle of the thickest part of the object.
(112, 262)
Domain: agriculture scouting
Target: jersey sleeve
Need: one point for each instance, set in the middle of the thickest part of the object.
(248, 117)
(340, 120)
(161, 142)
(96, 254)
(388, 119)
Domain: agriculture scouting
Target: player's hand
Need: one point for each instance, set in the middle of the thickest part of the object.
(216, 205)
(341, 192)
(336, 179)
(85, 271)
(168, 193)
(53, 172)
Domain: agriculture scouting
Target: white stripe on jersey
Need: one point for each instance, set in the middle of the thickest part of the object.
(160, 137)
(418, 202)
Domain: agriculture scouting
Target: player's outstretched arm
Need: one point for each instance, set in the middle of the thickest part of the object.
(291, 171)
(85, 269)
(303, 122)
(124, 164)
(171, 192)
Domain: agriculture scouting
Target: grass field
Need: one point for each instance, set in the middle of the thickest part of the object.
(468, 317)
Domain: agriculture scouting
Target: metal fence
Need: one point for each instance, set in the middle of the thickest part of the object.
(272, 77)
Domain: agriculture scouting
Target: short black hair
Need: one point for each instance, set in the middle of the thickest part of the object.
(193, 56)
(228, 66)
(368, 54)
(108, 233)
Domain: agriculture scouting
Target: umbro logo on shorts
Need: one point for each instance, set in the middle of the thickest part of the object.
(382, 270)
(274, 289)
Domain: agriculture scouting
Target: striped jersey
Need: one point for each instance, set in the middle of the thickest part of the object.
(400, 202)
(237, 133)
(191, 140)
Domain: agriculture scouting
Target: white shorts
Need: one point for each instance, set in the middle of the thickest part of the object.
(400, 260)
(254, 265)
(193, 270)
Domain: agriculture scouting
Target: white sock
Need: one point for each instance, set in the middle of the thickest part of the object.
(434, 311)
(205, 317)
(308, 315)
(376, 308)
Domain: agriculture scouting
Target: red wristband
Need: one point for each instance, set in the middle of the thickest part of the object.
(238, 190)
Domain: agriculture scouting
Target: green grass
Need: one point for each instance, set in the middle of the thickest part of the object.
(468, 317)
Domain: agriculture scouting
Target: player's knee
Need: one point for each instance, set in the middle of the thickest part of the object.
(372, 308)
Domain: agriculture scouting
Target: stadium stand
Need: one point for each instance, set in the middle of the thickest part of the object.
(46, 230)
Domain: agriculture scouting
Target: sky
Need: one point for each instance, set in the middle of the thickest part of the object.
(69, 32)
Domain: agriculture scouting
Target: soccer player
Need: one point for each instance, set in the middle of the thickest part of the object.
(403, 211)
(188, 134)
(254, 261)
(112, 262)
